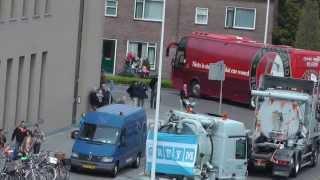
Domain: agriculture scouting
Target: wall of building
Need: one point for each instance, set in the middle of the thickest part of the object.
(90, 63)
(37, 63)
(180, 21)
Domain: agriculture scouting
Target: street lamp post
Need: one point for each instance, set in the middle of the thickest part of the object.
(267, 23)
(155, 130)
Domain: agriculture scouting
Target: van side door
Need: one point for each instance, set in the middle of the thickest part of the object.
(237, 156)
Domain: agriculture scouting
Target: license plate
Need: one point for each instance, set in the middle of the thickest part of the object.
(260, 163)
(88, 166)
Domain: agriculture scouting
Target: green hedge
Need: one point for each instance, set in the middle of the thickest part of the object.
(128, 80)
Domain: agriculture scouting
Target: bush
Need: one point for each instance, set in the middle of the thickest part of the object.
(128, 80)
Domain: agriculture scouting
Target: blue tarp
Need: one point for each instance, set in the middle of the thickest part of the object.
(176, 154)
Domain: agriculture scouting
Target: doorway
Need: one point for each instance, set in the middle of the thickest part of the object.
(108, 61)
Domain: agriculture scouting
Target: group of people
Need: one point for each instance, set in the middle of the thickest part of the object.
(27, 141)
(99, 97)
(137, 91)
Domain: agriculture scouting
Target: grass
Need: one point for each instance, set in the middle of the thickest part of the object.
(128, 80)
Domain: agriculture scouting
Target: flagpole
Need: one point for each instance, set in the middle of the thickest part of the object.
(155, 130)
(267, 23)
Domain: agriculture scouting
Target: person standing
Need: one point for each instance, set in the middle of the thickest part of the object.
(3, 138)
(27, 144)
(93, 100)
(153, 94)
(19, 133)
(38, 138)
(142, 94)
(184, 95)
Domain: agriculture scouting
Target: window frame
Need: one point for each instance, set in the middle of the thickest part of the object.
(143, 9)
(106, 8)
(153, 45)
(234, 18)
(196, 16)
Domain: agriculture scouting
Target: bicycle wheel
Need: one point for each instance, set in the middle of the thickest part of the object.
(63, 173)
(32, 175)
(49, 172)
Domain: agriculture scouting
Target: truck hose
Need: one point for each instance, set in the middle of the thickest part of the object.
(211, 155)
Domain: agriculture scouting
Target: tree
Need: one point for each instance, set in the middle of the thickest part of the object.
(288, 17)
(308, 34)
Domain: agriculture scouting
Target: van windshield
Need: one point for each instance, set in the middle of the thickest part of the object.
(99, 133)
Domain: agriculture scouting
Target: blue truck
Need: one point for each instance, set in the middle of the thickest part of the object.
(110, 138)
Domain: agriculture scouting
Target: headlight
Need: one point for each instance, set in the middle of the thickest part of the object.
(291, 143)
(107, 159)
(74, 155)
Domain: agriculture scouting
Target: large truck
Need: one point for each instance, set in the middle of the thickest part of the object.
(246, 62)
(221, 146)
(287, 132)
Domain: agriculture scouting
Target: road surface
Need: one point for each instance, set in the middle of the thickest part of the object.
(169, 100)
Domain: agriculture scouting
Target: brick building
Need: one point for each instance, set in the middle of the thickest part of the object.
(135, 25)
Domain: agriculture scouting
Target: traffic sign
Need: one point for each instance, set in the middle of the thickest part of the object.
(217, 71)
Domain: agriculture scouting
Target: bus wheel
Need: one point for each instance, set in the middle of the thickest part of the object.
(195, 88)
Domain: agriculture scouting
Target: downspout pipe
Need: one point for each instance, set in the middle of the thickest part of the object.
(78, 61)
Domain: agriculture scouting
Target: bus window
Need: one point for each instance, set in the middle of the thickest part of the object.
(180, 58)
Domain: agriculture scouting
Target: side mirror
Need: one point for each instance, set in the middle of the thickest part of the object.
(75, 134)
(123, 142)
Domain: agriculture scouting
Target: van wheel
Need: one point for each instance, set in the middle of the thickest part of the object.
(314, 158)
(195, 88)
(115, 170)
(295, 167)
(137, 161)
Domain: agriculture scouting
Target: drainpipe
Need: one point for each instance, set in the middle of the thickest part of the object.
(77, 64)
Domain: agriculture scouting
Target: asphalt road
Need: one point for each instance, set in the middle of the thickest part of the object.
(169, 100)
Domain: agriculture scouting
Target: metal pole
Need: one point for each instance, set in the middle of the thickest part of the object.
(220, 103)
(267, 24)
(155, 130)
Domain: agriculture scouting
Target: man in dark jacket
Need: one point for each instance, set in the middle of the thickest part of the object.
(153, 94)
(19, 133)
(141, 93)
(93, 99)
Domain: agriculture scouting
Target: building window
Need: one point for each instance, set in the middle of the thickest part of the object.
(47, 7)
(13, 9)
(25, 8)
(148, 10)
(240, 18)
(111, 8)
(143, 51)
(36, 8)
(201, 15)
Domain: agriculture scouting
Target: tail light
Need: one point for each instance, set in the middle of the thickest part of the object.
(279, 162)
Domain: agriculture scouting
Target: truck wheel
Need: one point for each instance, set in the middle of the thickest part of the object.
(195, 88)
(115, 170)
(295, 167)
(314, 158)
(137, 161)
(253, 102)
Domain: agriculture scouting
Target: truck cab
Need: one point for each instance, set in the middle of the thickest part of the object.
(110, 138)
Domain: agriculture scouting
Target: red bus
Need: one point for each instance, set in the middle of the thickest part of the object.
(246, 61)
